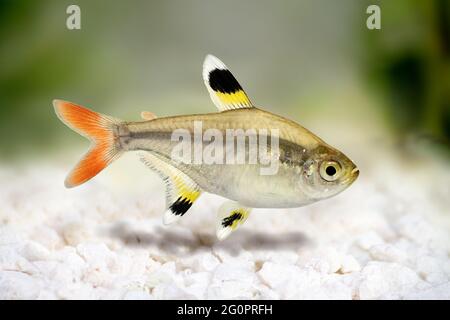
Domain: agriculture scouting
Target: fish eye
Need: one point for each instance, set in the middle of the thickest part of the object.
(330, 170)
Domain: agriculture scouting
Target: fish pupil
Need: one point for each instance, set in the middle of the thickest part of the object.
(330, 170)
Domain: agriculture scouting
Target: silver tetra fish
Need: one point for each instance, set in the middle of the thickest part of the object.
(307, 169)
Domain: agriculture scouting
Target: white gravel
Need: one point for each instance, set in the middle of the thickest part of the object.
(386, 237)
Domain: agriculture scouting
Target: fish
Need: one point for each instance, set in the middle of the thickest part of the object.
(306, 168)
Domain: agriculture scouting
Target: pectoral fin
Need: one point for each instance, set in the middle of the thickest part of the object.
(181, 190)
(231, 216)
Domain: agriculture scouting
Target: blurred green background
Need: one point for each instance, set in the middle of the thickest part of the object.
(313, 61)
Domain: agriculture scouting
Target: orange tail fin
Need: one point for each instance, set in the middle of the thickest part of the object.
(96, 127)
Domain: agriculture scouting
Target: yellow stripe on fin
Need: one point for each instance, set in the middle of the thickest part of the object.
(224, 89)
(181, 190)
(231, 216)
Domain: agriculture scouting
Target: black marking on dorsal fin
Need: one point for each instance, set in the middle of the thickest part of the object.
(223, 81)
(224, 89)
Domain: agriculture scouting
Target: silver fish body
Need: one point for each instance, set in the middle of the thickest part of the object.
(240, 182)
(302, 167)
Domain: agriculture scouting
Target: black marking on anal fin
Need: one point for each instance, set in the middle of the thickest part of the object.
(180, 206)
(223, 81)
(228, 221)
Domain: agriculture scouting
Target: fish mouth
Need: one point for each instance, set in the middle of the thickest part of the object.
(352, 177)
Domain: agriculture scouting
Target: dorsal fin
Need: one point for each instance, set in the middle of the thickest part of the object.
(224, 89)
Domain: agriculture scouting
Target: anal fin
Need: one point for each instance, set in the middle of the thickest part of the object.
(231, 216)
(181, 190)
